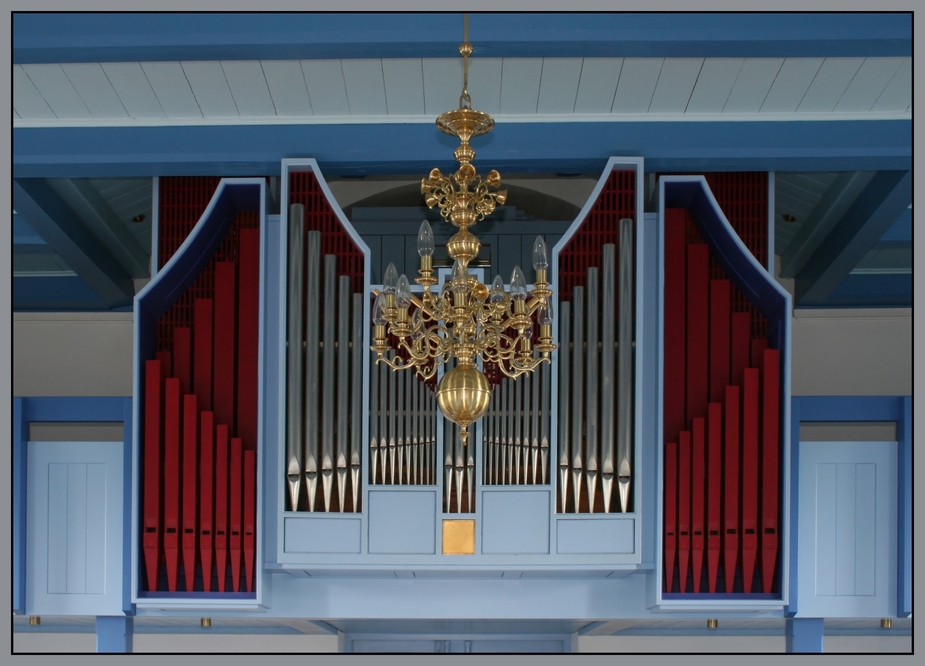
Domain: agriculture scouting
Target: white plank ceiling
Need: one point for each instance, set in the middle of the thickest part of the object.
(561, 89)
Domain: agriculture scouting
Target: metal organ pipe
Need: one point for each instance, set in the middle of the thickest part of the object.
(373, 419)
(356, 387)
(294, 355)
(578, 380)
(564, 397)
(343, 386)
(328, 379)
(312, 317)
(592, 439)
(608, 288)
(625, 365)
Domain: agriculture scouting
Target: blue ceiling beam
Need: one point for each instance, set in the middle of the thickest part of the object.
(57, 224)
(369, 149)
(57, 294)
(114, 37)
(872, 291)
(901, 230)
(26, 240)
(872, 213)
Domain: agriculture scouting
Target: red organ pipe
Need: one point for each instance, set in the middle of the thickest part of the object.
(770, 452)
(151, 541)
(731, 487)
(698, 500)
(684, 507)
(248, 336)
(190, 496)
(236, 489)
(206, 490)
(172, 480)
(714, 490)
(671, 512)
(749, 476)
(221, 504)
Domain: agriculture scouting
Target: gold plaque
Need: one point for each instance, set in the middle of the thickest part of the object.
(459, 537)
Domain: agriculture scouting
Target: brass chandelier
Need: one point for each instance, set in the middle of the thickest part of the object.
(466, 321)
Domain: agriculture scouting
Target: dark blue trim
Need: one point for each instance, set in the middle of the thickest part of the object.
(897, 409)
(904, 513)
(256, 150)
(67, 235)
(20, 467)
(76, 409)
(49, 38)
(46, 293)
(850, 408)
(805, 634)
(869, 217)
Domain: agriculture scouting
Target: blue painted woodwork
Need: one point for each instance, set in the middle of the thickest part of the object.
(904, 512)
(360, 149)
(805, 634)
(65, 293)
(20, 462)
(26, 240)
(114, 633)
(869, 217)
(457, 643)
(170, 282)
(151, 37)
(847, 529)
(595, 536)
(869, 290)
(515, 521)
(75, 539)
(402, 521)
(901, 229)
(66, 234)
(82, 409)
(321, 534)
(865, 408)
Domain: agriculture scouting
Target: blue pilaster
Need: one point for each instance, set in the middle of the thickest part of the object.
(114, 633)
(20, 437)
(904, 514)
(804, 634)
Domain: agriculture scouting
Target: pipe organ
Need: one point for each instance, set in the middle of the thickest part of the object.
(653, 444)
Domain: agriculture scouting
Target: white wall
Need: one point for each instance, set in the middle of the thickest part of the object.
(835, 352)
(72, 354)
(852, 352)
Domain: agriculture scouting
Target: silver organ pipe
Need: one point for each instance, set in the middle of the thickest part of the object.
(578, 381)
(374, 371)
(356, 388)
(328, 380)
(564, 398)
(343, 387)
(592, 438)
(294, 354)
(312, 385)
(607, 373)
(625, 365)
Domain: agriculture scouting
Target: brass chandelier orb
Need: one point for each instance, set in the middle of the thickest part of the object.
(466, 320)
